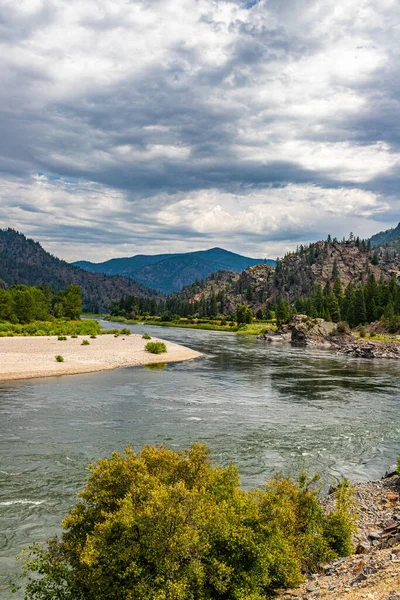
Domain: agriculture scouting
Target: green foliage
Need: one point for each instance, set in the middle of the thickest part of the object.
(59, 358)
(358, 305)
(25, 304)
(156, 347)
(85, 343)
(72, 302)
(93, 337)
(125, 331)
(146, 336)
(244, 314)
(165, 525)
(58, 327)
(62, 338)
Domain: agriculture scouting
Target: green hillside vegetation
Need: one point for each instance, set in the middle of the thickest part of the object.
(28, 310)
(359, 305)
(389, 237)
(24, 261)
(171, 272)
(165, 525)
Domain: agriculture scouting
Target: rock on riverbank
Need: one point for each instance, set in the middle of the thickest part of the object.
(374, 570)
(305, 331)
(363, 349)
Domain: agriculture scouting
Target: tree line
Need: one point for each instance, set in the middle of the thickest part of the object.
(25, 304)
(134, 307)
(366, 303)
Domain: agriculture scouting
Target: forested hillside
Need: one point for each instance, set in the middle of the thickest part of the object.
(24, 261)
(171, 272)
(389, 237)
(304, 277)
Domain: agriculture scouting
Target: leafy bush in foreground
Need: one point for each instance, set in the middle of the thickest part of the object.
(146, 336)
(59, 358)
(156, 347)
(85, 343)
(165, 525)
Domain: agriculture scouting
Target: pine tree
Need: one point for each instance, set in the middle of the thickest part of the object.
(360, 311)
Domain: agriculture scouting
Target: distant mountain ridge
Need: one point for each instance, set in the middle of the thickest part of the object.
(390, 236)
(171, 272)
(24, 261)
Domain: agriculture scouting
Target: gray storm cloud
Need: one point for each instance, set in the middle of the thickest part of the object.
(177, 125)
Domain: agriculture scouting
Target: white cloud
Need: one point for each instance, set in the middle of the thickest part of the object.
(184, 122)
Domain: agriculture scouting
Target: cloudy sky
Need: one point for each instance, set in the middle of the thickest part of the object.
(146, 126)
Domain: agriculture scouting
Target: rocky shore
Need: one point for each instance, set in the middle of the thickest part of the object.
(369, 349)
(305, 331)
(374, 570)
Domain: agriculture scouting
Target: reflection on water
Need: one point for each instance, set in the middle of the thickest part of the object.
(266, 407)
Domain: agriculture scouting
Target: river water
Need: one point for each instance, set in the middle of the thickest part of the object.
(266, 407)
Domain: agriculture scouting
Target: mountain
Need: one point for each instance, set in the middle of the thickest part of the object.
(23, 260)
(171, 272)
(390, 236)
(296, 274)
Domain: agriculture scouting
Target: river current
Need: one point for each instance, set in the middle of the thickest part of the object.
(267, 407)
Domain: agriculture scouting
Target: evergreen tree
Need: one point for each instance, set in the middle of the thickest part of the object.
(360, 311)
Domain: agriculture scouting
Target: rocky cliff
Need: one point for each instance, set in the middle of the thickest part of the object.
(297, 273)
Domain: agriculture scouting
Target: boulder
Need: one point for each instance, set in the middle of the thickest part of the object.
(315, 332)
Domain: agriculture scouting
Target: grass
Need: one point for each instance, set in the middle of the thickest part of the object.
(62, 338)
(156, 347)
(85, 343)
(59, 358)
(256, 328)
(146, 336)
(58, 327)
(378, 337)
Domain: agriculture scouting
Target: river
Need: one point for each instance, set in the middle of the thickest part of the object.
(266, 407)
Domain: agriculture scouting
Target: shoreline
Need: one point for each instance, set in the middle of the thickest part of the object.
(373, 569)
(33, 357)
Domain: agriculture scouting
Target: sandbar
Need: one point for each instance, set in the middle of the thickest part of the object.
(30, 357)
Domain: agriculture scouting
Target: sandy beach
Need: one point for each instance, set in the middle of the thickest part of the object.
(30, 357)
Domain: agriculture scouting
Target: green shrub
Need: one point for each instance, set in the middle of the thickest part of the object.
(125, 331)
(62, 338)
(167, 525)
(342, 327)
(93, 337)
(146, 336)
(362, 331)
(372, 334)
(156, 347)
(59, 358)
(116, 335)
(85, 343)
(74, 337)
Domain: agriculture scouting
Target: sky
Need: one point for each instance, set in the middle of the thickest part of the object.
(148, 126)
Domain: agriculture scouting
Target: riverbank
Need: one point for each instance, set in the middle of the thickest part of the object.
(30, 357)
(243, 329)
(374, 570)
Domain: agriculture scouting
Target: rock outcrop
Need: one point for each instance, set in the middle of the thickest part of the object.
(311, 332)
(305, 331)
(297, 273)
